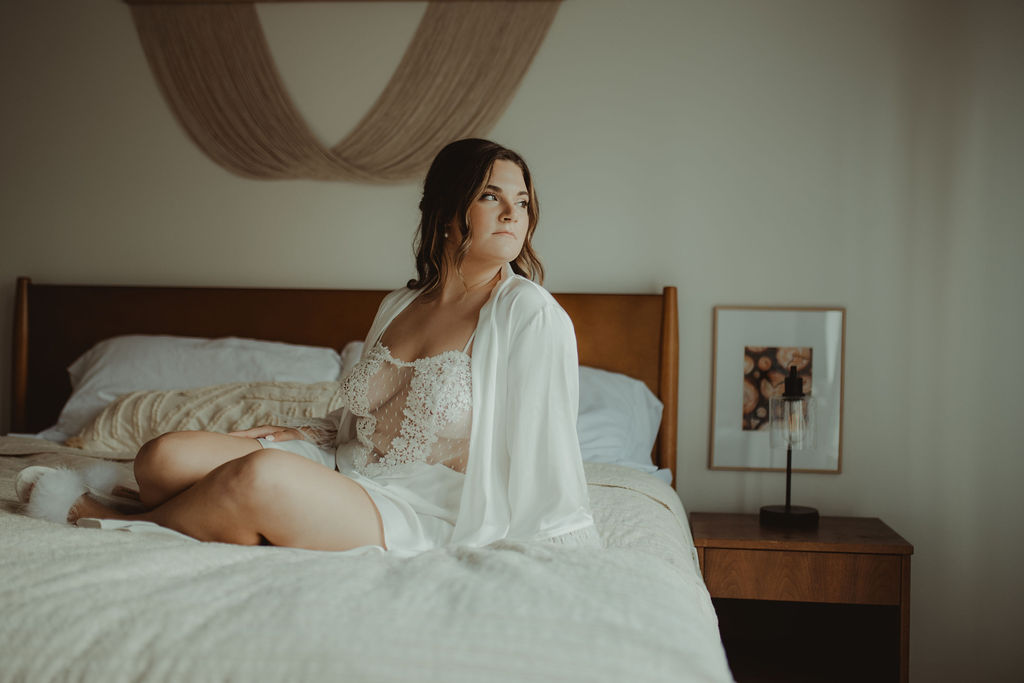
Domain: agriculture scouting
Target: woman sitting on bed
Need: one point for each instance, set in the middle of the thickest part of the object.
(459, 424)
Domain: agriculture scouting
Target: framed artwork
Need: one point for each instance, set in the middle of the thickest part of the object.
(753, 349)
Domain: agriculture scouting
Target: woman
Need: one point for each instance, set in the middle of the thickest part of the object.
(459, 425)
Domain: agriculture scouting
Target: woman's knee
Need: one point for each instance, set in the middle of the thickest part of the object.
(158, 455)
(250, 481)
(168, 464)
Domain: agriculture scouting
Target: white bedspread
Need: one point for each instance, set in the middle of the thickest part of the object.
(96, 605)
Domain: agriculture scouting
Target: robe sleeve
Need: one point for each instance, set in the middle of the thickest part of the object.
(547, 489)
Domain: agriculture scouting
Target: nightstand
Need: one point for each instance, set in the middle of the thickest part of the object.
(831, 603)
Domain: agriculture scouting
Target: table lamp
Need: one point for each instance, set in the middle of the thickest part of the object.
(791, 424)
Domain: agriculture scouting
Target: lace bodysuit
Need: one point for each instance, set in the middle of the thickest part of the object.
(409, 412)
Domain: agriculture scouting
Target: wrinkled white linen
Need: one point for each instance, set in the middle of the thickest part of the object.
(107, 606)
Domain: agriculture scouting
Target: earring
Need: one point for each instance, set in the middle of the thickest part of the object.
(445, 233)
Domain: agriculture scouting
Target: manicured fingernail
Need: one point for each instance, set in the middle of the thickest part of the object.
(268, 437)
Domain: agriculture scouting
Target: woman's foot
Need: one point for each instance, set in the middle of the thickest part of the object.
(87, 506)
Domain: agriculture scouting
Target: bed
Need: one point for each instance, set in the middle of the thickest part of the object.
(100, 605)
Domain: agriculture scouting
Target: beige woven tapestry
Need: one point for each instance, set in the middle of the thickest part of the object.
(457, 76)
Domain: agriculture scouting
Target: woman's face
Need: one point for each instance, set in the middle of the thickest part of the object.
(498, 217)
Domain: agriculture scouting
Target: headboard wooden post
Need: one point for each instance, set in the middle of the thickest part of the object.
(19, 358)
(669, 381)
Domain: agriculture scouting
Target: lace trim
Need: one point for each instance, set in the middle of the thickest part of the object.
(436, 358)
(359, 403)
(320, 431)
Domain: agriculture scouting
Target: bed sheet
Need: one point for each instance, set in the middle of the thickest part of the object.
(99, 605)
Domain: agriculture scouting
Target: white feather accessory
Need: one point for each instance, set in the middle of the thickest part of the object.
(101, 477)
(53, 495)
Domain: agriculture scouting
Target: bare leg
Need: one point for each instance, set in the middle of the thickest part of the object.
(268, 494)
(169, 464)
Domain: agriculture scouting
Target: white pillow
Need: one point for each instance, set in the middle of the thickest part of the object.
(618, 420)
(350, 355)
(121, 365)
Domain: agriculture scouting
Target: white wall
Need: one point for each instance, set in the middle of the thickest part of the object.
(701, 144)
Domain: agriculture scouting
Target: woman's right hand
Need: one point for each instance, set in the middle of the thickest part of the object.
(270, 433)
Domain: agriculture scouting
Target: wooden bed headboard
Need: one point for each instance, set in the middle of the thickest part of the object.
(634, 334)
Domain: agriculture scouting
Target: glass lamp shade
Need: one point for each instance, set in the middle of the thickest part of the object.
(791, 425)
(791, 422)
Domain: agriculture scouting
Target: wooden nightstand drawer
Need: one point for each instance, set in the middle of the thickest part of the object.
(802, 576)
(794, 602)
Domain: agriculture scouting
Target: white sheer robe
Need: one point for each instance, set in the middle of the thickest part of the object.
(524, 474)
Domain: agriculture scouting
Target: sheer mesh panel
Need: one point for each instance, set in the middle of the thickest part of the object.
(408, 412)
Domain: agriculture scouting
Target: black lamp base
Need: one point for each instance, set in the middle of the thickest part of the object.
(796, 517)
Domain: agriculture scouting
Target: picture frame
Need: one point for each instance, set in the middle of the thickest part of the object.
(752, 349)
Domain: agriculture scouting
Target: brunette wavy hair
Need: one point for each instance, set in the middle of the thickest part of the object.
(455, 180)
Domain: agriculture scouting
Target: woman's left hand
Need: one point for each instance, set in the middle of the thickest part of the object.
(269, 433)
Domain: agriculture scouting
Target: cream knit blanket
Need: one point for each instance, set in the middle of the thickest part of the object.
(135, 418)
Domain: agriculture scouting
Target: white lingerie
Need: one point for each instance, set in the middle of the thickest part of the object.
(412, 426)
(407, 412)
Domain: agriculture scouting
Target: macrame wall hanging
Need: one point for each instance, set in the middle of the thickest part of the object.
(458, 74)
